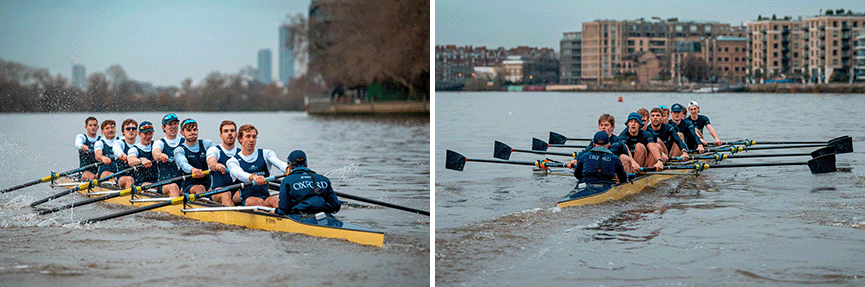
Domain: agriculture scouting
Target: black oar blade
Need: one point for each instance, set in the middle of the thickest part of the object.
(822, 164)
(842, 144)
(454, 161)
(823, 151)
(556, 138)
(539, 145)
(502, 151)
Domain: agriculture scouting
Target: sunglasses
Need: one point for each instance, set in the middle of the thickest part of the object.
(130, 128)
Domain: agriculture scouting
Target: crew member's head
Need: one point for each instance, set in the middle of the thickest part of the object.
(108, 128)
(601, 139)
(170, 124)
(189, 130)
(297, 158)
(228, 132)
(145, 131)
(91, 125)
(247, 135)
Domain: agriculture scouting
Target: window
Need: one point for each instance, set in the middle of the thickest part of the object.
(834, 52)
(835, 33)
(726, 68)
(795, 54)
(736, 49)
(726, 59)
(835, 62)
(726, 49)
(736, 69)
(736, 59)
(775, 36)
(796, 37)
(775, 63)
(835, 43)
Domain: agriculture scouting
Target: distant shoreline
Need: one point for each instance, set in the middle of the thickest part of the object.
(833, 88)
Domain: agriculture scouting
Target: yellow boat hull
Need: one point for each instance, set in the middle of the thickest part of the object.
(620, 191)
(253, 219)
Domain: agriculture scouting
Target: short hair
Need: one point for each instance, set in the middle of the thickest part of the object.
(126, 122)
(643, 112)
(607, 118)
(107, 122)
(225, 123)
(244, 129)
(90, 118)
(658, 110)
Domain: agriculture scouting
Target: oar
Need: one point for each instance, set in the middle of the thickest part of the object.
(719, 157)
(86, 185)
(51, 177)
(178, 200)
(503, 151)
(557, 138)
(542, 145)
(456, 161)
(840, 145)
(128, 191)
(753, 142)
(821, 164)
(367, 200)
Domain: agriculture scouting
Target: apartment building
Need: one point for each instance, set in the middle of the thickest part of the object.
(779, 47)
(456, 62)
(859, 57)
(570, 61)
(727, 59)
(831, 44)
(607, 44)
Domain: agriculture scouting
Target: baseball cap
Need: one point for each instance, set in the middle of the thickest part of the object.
(635, 116)
(186, 122)
(297, 158)
(145, 126)
(693, 103)
(169, 118)
(601, 138)
(677, 108)
(663, 107)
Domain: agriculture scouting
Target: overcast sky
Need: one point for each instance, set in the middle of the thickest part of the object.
(541, 23)
(162, 42)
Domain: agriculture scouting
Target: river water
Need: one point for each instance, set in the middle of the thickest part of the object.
(497, 224)
(375, 157)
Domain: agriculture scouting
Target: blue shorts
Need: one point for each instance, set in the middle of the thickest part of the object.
(243, 200)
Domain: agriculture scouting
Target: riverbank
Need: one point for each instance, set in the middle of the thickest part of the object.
(833, 88)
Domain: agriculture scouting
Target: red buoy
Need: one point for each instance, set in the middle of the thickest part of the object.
(620, 99)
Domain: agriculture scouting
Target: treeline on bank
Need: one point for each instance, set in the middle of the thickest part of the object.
(27, 89)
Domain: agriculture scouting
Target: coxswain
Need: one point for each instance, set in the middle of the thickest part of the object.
(303, 191)
(121, 149)
(84, 145)
(701, 121)
(142, 153)
(667, 136)
(685, 128)
(596, 169)
(253, 165)
(217, 157)
(642, 143)
(163, 150)
(103, 149)
(190, 158)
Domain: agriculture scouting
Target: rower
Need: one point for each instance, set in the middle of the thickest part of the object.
(596, 169)
(701, 121)
(142, 153)
(607, 123)
(103, 149)
(644, 117)
(305, 192)
(685, 128)
(84, 145)
(252, 164)
(190, 158)
(121, 149)
(667, 137)
(163, 150)
(665, 114)
(642, 143)
(217, 156)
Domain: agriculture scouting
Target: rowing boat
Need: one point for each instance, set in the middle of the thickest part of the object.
(621, 190)
(328, 227)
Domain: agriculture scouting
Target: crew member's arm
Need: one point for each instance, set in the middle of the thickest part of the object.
(79, 143)
(183, 163)
(330, 197)
(620, 172)
(714, 134)
(97, 152)
(680, 143)
(284, 198)
(273, 160)
(213, 160)
(157, 152)
(118, 150)
(132, 157)
(578, 171)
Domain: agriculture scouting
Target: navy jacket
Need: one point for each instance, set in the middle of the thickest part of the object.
(599, 166)
(297, 195)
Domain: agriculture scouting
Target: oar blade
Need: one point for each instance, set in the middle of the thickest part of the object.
(842, 144)
(823, 151)
(502, 151)
(822, 164)
(539, 145)
(454, 160)
(557, 138)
